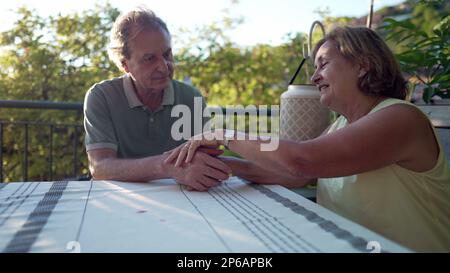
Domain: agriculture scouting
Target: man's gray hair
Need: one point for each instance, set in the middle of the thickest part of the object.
(126, 27)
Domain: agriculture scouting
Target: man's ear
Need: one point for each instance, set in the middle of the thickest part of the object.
(124, 66)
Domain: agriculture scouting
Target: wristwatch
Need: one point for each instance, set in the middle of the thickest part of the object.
(227, 137)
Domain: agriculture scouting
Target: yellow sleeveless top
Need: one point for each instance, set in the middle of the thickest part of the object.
(411, 208)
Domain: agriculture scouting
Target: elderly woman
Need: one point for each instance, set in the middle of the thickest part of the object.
(380, 164)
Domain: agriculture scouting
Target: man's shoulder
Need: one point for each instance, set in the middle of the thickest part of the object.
(107, 85)
(106, 90)
(181, 88)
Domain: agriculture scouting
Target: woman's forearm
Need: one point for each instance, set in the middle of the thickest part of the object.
(283, 156)
(254, 173)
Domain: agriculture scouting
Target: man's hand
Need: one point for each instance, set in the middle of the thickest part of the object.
(202, 173)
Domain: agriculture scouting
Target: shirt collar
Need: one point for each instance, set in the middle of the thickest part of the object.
(169, 95)
(133, 99)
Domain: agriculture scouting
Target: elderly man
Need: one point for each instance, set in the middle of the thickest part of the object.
(128, 120)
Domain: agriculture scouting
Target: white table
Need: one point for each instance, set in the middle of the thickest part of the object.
(161, 216)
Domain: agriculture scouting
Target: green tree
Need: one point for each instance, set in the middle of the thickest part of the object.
(423, 46)
(229, 74)
(57, 59)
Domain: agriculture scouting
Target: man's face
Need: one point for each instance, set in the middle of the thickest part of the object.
(151, 60)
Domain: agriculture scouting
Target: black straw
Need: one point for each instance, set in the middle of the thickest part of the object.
(296, 72)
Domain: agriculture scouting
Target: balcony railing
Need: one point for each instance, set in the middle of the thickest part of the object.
(16, 152)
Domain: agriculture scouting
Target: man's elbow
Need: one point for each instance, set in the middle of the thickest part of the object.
(96, 171)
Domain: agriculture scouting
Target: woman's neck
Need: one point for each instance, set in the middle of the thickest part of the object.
(361, 107)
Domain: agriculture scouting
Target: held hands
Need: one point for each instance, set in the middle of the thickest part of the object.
(202, 173)
(210, 141)
(196, 164)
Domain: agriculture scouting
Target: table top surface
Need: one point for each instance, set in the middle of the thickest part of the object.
(161, 216)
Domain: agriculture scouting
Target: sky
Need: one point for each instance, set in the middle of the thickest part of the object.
(265, 21)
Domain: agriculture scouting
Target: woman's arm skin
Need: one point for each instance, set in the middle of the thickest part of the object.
(399, 134)
(252, 172)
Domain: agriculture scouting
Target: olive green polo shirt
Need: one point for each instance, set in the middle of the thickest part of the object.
(115, 118)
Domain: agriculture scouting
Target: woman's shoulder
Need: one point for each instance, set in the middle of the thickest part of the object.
(404, 113)
(388, 102)
(405, 120)
(401, 110)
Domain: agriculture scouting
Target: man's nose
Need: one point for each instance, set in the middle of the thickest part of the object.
(163, 65)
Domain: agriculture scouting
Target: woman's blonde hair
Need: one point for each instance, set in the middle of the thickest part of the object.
(364, 46)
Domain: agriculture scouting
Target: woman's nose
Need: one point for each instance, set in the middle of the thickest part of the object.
(315, 78)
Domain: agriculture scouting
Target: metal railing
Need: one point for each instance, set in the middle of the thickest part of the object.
(74, 132)
(78, 106)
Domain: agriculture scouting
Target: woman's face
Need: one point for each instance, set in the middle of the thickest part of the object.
(335, 76)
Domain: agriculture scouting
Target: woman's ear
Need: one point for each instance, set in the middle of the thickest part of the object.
(362, 72)
(363, 68)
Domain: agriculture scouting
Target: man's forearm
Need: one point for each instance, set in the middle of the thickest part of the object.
(142, 169)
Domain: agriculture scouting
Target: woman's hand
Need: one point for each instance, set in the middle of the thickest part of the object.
(210, 140)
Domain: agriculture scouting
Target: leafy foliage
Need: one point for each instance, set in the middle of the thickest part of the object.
(229, 74)
(424, 47)
(56, 59)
